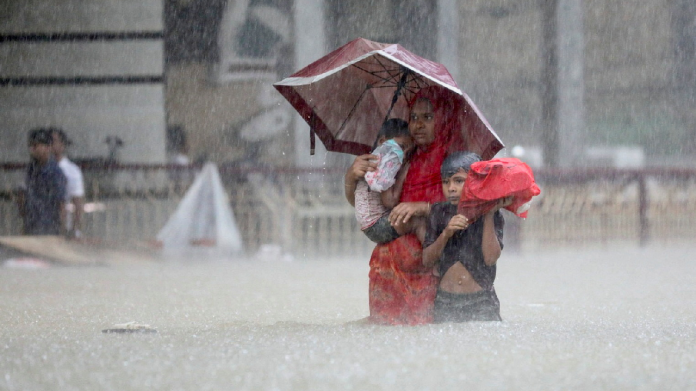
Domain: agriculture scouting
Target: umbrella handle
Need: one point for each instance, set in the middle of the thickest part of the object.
(312, 133)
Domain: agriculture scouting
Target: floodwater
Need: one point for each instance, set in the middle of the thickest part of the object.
(609, 318)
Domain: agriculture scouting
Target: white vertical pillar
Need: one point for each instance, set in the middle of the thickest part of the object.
(310, 45)
(570, 45)
(448, 36)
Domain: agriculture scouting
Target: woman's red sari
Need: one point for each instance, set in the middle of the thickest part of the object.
(402, 291)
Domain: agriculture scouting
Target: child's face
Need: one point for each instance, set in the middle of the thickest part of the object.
(453, 186)
(405, 142)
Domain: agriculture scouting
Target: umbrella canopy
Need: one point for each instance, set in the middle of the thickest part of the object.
(346, 95)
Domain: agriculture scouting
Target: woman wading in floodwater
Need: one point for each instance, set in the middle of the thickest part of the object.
(402, 290)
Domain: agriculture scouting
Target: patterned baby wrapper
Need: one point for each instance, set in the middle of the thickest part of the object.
(391, 156)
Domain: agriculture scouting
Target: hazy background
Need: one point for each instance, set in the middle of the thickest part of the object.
(597, 74)
(596, 285)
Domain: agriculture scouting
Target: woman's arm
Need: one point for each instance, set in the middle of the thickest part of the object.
(490, 246)
(433, 252)
(391, 196)
(403, 212)
(361, 165)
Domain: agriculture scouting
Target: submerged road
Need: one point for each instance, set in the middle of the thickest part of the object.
(616, 317)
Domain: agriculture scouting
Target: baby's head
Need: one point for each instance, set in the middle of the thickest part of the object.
(396, 129)
(454, 171)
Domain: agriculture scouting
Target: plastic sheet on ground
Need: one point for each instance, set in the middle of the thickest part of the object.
(203, 218)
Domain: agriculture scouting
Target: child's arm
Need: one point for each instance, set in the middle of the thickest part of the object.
(361, 165)
(490, 245)
(391, 196)
(433, 252)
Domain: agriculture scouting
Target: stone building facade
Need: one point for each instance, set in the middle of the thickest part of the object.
(93, 68)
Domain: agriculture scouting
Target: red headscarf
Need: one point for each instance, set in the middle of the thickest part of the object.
(423, 182)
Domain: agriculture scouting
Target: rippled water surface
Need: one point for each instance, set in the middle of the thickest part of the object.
(616, 317)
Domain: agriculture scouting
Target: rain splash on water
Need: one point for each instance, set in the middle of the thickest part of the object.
(612, 317)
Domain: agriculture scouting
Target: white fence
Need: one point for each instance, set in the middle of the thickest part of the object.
(306, 214)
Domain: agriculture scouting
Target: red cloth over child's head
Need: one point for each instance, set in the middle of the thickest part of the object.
(488, 181)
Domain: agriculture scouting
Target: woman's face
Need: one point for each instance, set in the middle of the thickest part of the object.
(421, 123)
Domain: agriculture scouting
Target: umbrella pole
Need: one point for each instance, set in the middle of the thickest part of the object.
(312, 132)
(399, 86)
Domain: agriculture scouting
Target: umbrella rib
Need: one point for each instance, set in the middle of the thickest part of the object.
(391, 79)
(402, 83)
(393, 72)
(399, 76)
(352, 110)
(385, 80)
(381, 86)
(419, 82)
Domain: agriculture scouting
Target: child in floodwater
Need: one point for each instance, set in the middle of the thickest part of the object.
(465, 251)
(380, 190)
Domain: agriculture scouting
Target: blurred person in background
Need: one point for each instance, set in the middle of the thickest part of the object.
(180, 175)
(75, 192)
(42, 204)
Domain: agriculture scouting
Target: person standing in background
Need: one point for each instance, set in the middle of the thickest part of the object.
(75, 191)
(180, 174)
(42, 207)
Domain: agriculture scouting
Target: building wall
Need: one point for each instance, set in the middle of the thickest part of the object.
(81, 84)
(219, 84)
(213, 116)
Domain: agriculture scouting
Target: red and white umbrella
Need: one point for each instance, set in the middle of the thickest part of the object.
(346, 95)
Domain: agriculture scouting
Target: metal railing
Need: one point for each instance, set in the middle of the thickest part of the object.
(305, 212)
(603, 205)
